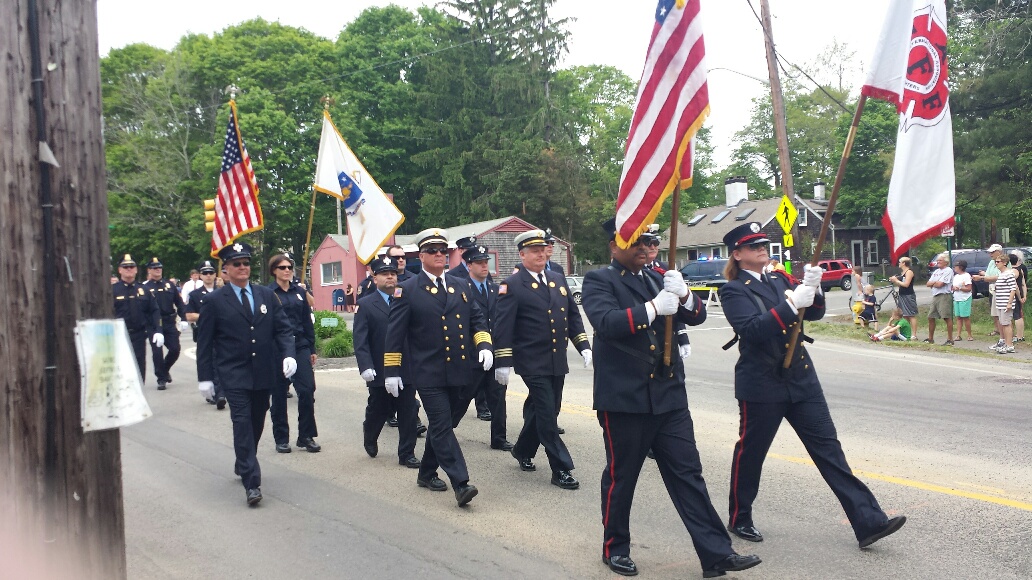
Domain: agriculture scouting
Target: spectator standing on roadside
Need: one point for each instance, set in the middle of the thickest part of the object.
(962, 299)
(941, 283)
(1017, 262)
(990, 274)
(190, 285)
(1004, 297)
(904, 284)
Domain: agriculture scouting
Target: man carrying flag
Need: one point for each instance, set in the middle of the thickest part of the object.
(910, 71)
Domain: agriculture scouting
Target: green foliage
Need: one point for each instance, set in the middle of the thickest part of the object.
(339, 346)
(322, 332)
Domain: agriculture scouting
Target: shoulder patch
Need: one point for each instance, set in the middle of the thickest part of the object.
(503, 288)
(397, 292)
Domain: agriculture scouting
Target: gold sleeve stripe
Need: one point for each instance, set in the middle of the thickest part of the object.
(580, 337)
(392, 359)
(500, 352)
(482, 337)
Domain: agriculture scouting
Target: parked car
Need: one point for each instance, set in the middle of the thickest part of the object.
(575, 283)
(705, 273)
(837, 272)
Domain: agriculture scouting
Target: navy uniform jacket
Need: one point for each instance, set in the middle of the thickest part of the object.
(195, 301)
(167, 300)
(299, 314)
(365, 288)
(488, 304)
(443, 333)
(555, 267)
(248, 351)
(534, 325)
(135, 305)
(371, 335)
(462, 271)
(764, 334)
(628, 355)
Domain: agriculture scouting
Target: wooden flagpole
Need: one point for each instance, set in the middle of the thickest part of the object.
(671, 262)
(326, 101)
(826, 224)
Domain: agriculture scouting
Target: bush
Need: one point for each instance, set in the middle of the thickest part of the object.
(323, 332)
(339, 346)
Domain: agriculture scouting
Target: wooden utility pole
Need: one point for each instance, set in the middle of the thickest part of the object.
(777, 101)
(60, 489)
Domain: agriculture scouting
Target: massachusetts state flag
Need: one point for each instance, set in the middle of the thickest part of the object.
(672, 103)
(237, 210)
(910, 71)
(372, 217)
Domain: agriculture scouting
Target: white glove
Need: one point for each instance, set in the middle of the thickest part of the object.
(486, 359)
(158, 339)
(586, 353)
(673, 282)
(393, 385)
(502, 375)
(666, 303)
(207, 389)
(183, 325)
(289, 367)
(812, 276)
(686, 350)
(368, 375)
(802, 296)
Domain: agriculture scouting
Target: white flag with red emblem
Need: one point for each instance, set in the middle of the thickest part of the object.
(909, 70)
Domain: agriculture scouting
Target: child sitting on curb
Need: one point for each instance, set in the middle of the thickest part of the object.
(897, 328)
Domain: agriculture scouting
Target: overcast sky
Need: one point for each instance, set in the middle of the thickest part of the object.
(613, 33)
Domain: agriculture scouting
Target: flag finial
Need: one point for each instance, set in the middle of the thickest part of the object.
(232, 90)
(327, 100)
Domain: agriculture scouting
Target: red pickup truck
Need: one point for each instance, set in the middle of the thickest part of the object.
(836, 273)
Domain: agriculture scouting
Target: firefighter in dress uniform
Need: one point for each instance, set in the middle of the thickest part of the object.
(763, 310)
(462, 271)
(206, 271)
(169, 305)
(134, 304)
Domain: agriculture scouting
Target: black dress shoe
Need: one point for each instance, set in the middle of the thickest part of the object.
(420, 428)
(220, 403)
(168, 380)
(504, 446)
(309, 444)
(161, 385)
(564, 480)
(210, 401)
(484, 415)
(432, 483)
(464, 493)
(526, 463)
(562, 431)
(622, 565)
(733, 563)
(749, 533)
(371, 448)
(411, 462)
(283, 448)
(891, 527)
(254, 495)
(392, 422)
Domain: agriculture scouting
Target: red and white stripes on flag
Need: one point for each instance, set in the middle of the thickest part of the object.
(672, 103)
(910, 71)
(237, 210)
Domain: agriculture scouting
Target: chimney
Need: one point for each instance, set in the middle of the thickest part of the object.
(818, 190)
(736, 189)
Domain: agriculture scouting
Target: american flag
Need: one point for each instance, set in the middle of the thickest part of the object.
(672, 103)
(237, 210)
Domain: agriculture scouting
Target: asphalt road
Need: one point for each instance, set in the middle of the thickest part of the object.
(943, 440)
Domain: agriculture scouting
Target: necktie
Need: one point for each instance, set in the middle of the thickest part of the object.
(440, 285)
(246, 302)
(390, 300)
(480, 287)
(541, 277)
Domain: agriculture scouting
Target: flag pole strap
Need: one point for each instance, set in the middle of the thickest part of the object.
(308, 237)
(826, 224)
(671, 257)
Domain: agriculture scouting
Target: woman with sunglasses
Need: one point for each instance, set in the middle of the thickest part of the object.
(299, 314)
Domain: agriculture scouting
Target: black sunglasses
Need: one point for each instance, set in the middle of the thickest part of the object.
(284, 267)
(240, 264)
(207, 273)
(433, 251)
(397, 257)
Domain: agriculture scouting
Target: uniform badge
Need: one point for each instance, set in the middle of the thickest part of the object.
(451, 290)
(562, 290)
(263, 309)
(139, 291)
(237, 247)
(299, 297)
(503, 288)
(397, 292)
(433, 290)
(533, 285)
(464, 299)
(551, 284)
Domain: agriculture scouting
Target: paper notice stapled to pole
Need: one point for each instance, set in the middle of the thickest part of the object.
(112, 392)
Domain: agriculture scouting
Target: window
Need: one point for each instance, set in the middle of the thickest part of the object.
(802, 217)
(748, 212)
(332, 274)
(775, 251)
(696, 219)
(872, 251)
(492, 263)
(720, 216)
(715, 252)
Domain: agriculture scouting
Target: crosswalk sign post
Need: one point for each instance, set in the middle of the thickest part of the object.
(786, 214)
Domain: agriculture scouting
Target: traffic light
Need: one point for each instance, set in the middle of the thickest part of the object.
(209, 215)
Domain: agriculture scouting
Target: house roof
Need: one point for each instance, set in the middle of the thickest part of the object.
(708, 233)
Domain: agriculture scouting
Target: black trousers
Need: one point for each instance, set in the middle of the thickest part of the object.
(443, 406)
(138, 339)
(247, 409)
(304, 385)
(540, 427)
(481, 401)
(812, 422)
(671, 436)
(493, 393)
(381, 406)
(163, 362)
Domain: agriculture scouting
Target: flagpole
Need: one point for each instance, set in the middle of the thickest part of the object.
(671, 257)
(826, 224)
(326, 101)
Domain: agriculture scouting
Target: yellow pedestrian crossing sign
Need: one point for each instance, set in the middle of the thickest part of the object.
(787, 214)
(787, 241)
